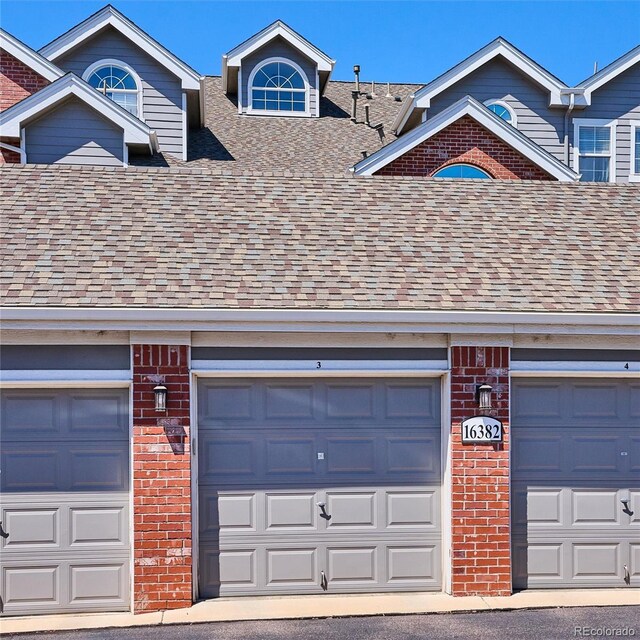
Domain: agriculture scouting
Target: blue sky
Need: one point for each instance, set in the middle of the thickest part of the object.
(396, 41)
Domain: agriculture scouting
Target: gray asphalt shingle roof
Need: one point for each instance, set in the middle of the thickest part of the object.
(147, 237)
(331, 143)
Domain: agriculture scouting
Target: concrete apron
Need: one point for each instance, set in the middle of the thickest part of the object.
(324, 606)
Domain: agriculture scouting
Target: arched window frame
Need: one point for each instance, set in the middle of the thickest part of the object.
(307, 90)
(106, 62)
(508, 107)
(461, 164)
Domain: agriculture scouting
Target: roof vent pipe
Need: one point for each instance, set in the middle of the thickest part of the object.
(356, 71)
(354, 105)
(388, 91)
(367, 119)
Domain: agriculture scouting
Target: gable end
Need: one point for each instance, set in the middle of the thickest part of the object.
(465, 141)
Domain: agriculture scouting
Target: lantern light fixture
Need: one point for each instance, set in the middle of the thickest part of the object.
(484, 397)
(160, 392)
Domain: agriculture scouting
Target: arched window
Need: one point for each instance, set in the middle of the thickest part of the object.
(278, 86)
(502, 109)
(116, 81)
(461, 171)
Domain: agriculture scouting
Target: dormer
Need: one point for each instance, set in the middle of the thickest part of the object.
(118, 59)
(276, 73)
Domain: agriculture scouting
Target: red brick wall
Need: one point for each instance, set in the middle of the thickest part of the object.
(17, 81)
(481, 554)
(468, 142)
(9, 157)
(161, 480)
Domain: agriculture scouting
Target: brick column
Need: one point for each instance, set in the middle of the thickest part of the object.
(481, 553)
(161, 479)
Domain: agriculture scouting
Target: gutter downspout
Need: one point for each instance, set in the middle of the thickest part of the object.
(567, 114)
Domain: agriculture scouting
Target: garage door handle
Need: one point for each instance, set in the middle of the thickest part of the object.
(625, 504)
(323, 581)
(3, 533)
(627, 577)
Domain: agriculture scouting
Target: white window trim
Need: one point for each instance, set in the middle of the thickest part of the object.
(595, 122)
(461, 164)
(263, 112)
(508, 107)
(123, 65)
(634, 126)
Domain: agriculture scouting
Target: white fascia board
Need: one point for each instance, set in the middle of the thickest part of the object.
(111, 17)
(609, 73)
(189, 319)
(466, 106)
(278, 28)
(403, 115)
(499, 47)
(135, 131)
(422, 98)
(29, 57)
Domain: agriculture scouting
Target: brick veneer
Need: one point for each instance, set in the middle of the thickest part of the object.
(17, 80)
(465, 141)
(480, 526)
(161, 480)
(9, 157)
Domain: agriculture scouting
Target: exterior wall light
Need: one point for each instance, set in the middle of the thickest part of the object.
(484, 397)
(160, 392)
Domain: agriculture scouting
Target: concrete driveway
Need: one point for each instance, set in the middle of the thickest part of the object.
(542, 624)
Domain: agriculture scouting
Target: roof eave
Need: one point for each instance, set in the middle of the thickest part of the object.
(134, 131)
(29, 57)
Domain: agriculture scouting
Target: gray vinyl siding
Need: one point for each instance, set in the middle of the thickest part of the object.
(161, 90)
(498, 80)
(73, 133)
(618, 99)
(279, 48)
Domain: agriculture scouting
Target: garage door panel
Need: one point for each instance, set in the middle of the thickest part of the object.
(351, 510)
(31, 528)
(539, 454)
(411, 401)
(222, 456)
(101, 467)
(98, 525)
(596, 454)
(30, 468)
(350, 566)
(595, 508)
(592, 560)
(29, 586)
(411, 509)
(569, 478)
(291, 511)
(290, 456)
(29, 412)
(346, 455)
(97, 412)
(367, 450)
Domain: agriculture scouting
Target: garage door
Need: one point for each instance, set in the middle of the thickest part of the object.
(308, 486)
(576, 489)
(65, 501)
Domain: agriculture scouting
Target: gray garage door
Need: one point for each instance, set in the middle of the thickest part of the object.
(308, 486)
(576, 482)
(65, 501)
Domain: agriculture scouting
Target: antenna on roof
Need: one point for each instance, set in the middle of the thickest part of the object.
(595, 67)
